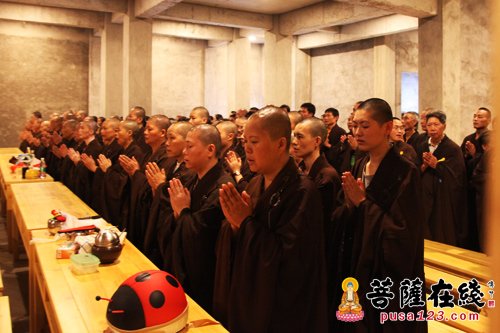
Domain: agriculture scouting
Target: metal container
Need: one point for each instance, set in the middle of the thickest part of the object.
(54, 225)
(107, 246)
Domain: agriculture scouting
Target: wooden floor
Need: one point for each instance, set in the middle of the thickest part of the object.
(15, 280)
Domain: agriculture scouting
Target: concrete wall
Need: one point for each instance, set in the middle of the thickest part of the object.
(340, 76)
(42, 68)
(178, 75)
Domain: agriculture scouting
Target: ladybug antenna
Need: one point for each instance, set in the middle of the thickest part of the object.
(98, 298)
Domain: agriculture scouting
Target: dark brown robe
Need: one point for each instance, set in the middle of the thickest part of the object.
(407, 151)
(115, 191)
(382, 237)
(111, 151)
(445, 197)
(83, 177)
(192, 243)
(271, 271)
(334, 154)
(68, 168)
(160, 208)
(136, 213)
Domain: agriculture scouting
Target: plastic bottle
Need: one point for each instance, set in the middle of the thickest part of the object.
(43, 168)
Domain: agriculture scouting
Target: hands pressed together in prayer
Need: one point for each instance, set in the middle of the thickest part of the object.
(130, 165)
(354, 190)
(233, 161)
(89, 162)
(429, 160)
(104, 163)
(470, 148)
(155, 176)
(74, 155)
(235, 207)
(180, 198)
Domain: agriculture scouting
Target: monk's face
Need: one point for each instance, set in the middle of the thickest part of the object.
(195, 118)
(304, 144)
(435, 129)
(123, 136)
(84, 132)
(108, 133)
(398, 130)
(481, 119)
(261, 150)
(196, 154)
(153, 135)
(368, 132)
(409, 121)
(175, 143)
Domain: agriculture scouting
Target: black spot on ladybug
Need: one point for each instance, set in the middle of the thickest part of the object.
(172, 281)
(142, 277)
(157, 299)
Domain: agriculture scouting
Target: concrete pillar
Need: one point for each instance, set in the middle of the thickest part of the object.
(493, 183)
(111, 68)
(384, 69)
(137, 56)
(239, 94)
(454, 57)
(287, 71)
(95, 76)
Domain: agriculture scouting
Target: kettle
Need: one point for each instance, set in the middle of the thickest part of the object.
(107, 246)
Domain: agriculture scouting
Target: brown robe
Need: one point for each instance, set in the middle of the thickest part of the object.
(271, 272)
(83, 177)
(445, 197)
(382, 237)
(188, 242)
(160, 208)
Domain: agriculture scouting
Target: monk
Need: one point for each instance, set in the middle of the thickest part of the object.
(111, 151)
(196, 216)
(116, 178)
(397, 141)
(270, 260)
(136, 211)
(380, 223)
(83, 178)
(159, 180)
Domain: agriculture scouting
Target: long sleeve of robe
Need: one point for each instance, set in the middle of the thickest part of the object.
(192, 257)
(382, 237)
(83, 177)
(445, 197)
(270, 273)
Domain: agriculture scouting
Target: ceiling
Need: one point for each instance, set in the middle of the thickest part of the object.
(257, 6)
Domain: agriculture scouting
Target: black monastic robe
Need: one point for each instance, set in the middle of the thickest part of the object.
(192, 243)
(271, 271)
(382, 237)
(83, 177)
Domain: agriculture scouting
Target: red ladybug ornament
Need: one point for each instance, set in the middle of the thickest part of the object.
(148, 300)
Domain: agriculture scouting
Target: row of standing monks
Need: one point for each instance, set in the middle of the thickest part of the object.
(261, 240)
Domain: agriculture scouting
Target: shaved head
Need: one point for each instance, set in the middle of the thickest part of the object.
(90, 124)
(113, 123)
(295, 118)
(160, 121)
(182, 128)
(315, 127)
(228, 127)
(208, 135)
(130, 125)
(275, 122)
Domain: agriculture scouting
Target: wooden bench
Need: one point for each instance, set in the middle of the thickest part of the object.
(472, 256)
(5, 319)
(456, 265)
(1, 284)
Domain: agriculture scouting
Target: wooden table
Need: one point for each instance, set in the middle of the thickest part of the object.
(31, 206)
(11, 150)
(69, 299)
(7, 179)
